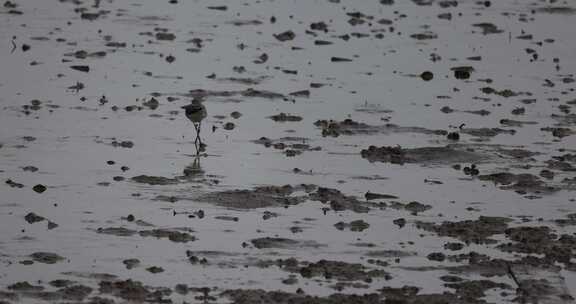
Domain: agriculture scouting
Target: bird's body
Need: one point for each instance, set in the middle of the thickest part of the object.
(195, 111)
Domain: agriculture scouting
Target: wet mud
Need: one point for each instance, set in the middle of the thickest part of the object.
(314, 152)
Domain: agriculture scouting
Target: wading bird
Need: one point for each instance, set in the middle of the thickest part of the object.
(196, 112)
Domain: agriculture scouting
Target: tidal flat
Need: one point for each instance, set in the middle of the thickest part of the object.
(378, 151)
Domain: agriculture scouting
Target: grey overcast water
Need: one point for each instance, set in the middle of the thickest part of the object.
(368, 151)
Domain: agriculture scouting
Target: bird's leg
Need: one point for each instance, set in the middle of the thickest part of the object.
(199, 138)
(197, 127)
(197, 146)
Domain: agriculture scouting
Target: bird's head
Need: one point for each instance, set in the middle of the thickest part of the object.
(196, 101)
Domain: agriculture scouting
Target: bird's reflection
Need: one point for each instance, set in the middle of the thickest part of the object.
(194, 169)
(196, 112)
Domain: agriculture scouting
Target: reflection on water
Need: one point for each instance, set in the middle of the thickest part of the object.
(194, 169)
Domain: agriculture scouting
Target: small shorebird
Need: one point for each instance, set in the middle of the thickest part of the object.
(196, 112)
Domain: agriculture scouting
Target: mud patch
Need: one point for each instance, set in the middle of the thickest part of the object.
(351, 127)
(171, 234)
(261, 197)
(356, 226)
(426, 155)
(250, 92)
(154, 180)
(338, 201)
(127, 290)
(406, 294)
(470, 231)
(521, 183)
(291, 146)
(46, 257)
(283, 243)
(542, 241)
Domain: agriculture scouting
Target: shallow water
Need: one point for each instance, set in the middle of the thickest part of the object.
(73, 134)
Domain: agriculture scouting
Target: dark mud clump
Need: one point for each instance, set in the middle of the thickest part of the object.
(154, 180)
(262, 197)
(46, 257)
(39, 188)
(541, 241)
(471, 290)
(24, 286)
(283, 243)
(165, 36)
(281, 196)
(426, 155)
(486, 132)
(152, 104)
(127, 290)
(131, 263)
(7, 296)
(351, 127)
(32, 218)
(564, 10)
(470, 231)
(59, 283)
(338, 201)
(537, 280)
(424, 36)
(390, 254)
(259, 296)
(462, 72)
(373, 196)
(283, 117)
(521, 183)
(436, 256)
(291, 146)
(356, 226)
(124, 144)
(155, 269)
(406, 294)
(488, 28)
(74, 293)
(250, 92)
(519, 154)
(558, 132)
(172, 235)
(117, 231)
(506, 93)
(570, 220)
(14, 184)
(541, 291)
(564, 162)
(413, 207)
(528, 239)
(341, 271)
(285, 36)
